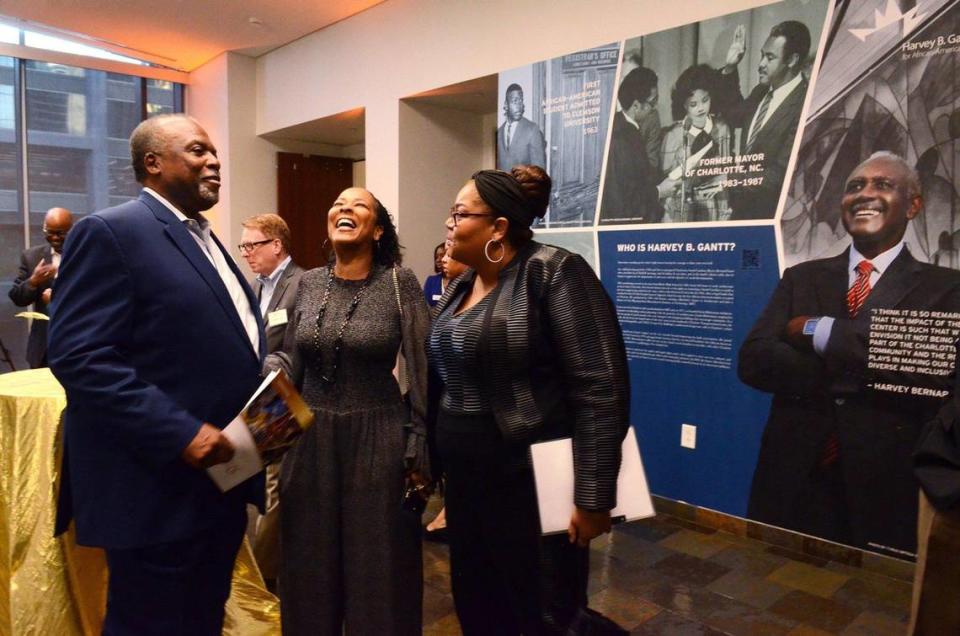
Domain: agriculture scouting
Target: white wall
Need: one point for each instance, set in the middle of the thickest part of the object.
(252, 160)
(403, 47)
(360, 174)
(439, 149)
(206, 99)
(490, 140)
(222, 96)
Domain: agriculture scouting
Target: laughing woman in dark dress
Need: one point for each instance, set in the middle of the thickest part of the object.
(528, 347)
(351, 553)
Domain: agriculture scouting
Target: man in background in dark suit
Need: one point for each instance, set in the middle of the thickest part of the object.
(519, 140)
(157, 340)
(768, 118)
(35, 276)
(835, 458)
(632, 188)
(265, 245)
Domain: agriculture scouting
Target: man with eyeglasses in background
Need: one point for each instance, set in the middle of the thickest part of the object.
(35, 276)
(633, 186)
(265, 246)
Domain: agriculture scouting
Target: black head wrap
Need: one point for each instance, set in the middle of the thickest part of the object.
(505, 196)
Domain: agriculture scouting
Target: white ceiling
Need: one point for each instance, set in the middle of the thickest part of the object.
(342, 129)
(184, 34)
(348, 128)
(478, 96)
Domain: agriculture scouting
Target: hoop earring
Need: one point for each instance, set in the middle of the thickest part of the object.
(331, 255)
(487, 247)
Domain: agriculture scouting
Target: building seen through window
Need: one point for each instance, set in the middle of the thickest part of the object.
(77, 122)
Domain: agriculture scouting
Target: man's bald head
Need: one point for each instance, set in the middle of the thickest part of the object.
(880, 198)
(174, 156)
(58, 217)
(151, 136)
(56, 224)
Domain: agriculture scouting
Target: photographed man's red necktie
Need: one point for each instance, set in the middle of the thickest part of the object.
(857, 294)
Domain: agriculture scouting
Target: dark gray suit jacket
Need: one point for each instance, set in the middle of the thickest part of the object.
(284, 297)
(23, 293)
(527, 146)
(630, 185)
(774, 139)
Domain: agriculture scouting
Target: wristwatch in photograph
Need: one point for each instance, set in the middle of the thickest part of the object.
(810, 326)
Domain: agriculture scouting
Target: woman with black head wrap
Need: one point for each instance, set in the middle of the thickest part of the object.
(528, 347)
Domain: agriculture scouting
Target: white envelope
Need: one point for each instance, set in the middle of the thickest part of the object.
(246, 459)
(553, 471)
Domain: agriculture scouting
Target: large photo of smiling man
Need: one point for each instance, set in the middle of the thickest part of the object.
(834, 460)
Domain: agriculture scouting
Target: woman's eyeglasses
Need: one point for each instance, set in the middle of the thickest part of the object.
(456, 216)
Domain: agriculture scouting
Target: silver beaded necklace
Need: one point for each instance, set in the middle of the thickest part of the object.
(331, 376)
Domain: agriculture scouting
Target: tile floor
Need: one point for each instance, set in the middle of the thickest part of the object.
(670, 576)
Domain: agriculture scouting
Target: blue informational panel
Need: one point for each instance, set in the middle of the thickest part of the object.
(686, 299)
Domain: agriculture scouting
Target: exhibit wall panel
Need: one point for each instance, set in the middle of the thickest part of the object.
(729, 221)
(404, 47)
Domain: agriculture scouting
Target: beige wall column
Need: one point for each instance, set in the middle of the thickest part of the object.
(207, 101)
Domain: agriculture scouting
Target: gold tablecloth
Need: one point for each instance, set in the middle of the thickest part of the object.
(50, 585)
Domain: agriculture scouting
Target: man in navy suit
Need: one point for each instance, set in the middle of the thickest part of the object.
(156, 338)
(835, 458)
(35, 276)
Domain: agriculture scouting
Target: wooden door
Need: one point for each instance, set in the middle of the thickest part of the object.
(307, 186)
(587, 80)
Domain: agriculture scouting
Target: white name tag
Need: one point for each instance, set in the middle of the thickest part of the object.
(277, 318)
(437, 297)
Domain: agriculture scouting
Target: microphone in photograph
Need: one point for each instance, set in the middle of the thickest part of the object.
(685, 126)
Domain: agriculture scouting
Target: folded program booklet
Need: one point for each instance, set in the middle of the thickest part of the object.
(264, 430)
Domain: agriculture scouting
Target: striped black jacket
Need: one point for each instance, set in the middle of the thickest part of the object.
(553, 363)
